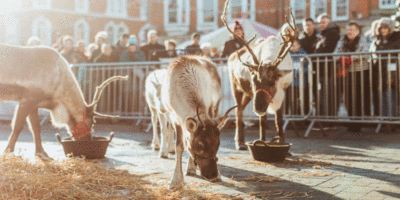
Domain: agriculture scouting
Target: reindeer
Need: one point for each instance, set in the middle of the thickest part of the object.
(265, 80)
(39, 77)
(191, 92)
(158, 111)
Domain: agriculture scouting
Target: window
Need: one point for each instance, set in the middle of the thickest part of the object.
(41, 27)
(340, 9)
(177, 15)
(82, 6)
(239, 9)
(42, 4)
(117, 8)
(82, 31)
(207, 15)
(317, 7)
(144, 5)
(11, 30)
(299, 9)
(10, 5)
(114, 31)
(387, 4)
(110, 29)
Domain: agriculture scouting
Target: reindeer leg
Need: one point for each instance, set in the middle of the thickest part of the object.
(171, 144)
(177, 179)
(34, 126)
(279, 124)
(242, 102)
(156, 141)
(165, 136)
(22, 112)
(263, 127)
(191, 167)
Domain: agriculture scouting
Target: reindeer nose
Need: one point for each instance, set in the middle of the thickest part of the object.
(261, 102)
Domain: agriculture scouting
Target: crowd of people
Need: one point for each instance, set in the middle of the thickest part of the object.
(350, 79)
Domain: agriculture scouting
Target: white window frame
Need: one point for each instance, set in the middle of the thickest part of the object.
(11, 30)
(35, 28)
(382, 6)
(85, 8)
(86, 28)
(122, 14)
(334, 11)
(292, 4)
(11, 5)
(201, 24)
(114, 26)
(37, 5)
(144, 10)
(178, 28)
(244, 7)
(312, 8)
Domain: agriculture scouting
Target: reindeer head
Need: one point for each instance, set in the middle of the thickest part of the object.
(82, 130)
(204, 143)
(265, 76)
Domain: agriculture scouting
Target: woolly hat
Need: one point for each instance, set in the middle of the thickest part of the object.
(237, 26)
(132, 40)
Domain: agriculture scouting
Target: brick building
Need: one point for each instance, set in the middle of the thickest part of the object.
(50, 19)
(82, 19)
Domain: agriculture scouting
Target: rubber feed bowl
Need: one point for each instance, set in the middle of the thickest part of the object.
(268, 151)
(91, 149)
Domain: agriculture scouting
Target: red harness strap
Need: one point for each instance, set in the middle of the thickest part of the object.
(266, 92)
(81, 126)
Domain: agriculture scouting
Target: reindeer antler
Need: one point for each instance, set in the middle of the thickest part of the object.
(286, 44)
(223, 18)
(99, 89)
(198, 116)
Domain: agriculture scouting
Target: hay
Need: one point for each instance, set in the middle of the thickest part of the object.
(268, 179)
(76, 178)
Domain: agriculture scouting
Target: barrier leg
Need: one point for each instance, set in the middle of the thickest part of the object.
(309, 129)
(378, 128)
(285, 125)
(149, 127)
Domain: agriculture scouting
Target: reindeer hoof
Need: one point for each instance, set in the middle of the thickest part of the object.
(172, 152)
(42, 155)
(191, 173)
(156, 148)
(241, 147)
(163, 155)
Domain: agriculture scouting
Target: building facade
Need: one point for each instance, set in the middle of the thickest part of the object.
(82, 19)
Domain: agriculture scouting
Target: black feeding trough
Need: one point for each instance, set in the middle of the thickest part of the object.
(91, 149)
(269, 151)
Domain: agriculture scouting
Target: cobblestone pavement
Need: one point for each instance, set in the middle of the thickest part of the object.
(343, 165)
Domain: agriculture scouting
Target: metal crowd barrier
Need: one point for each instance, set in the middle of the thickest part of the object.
(126, 98)
(363, 90)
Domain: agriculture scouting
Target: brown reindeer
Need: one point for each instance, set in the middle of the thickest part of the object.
(265, 80)
(39, 77)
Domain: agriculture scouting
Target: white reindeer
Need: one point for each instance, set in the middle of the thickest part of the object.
(158, 111)
(191, 92)
(39, 77)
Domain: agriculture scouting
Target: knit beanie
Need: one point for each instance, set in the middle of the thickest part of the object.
(132, 40)
(237, 26)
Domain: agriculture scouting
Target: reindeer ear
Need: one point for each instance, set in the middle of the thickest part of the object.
(191, 125)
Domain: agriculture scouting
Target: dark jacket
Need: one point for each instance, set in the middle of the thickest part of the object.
(231, 46)
(105, 59)
(68, 55)
(166, 54)
(193, 49)
(79, 57)
(329, 38)
(137, 56)
(153, 52)
(119, 49)
(308, 43)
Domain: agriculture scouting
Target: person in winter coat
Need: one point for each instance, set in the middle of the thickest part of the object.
(120, 47)
(170, 46)
(234, 44)
(106, 55)
(100, 39)
(353, 74)
(153, 50)
(297, 96)
(387, 39)
(194, 49)
(68, 48)
(308, 38)
(323, 86)
(132, 54)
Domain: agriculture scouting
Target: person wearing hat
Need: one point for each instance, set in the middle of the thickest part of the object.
(194, 49)
(68, 48)
(234, 44)
(133, 53)
(170, 46)
(153, 50)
